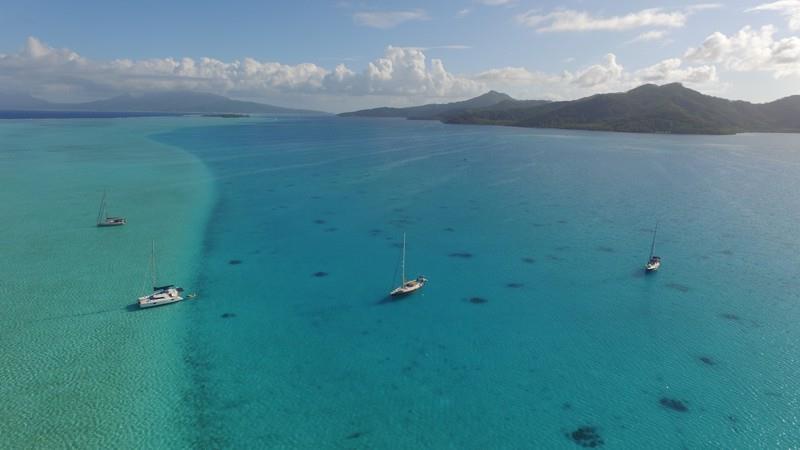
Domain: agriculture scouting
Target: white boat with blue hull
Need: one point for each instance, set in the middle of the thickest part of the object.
(161, 295)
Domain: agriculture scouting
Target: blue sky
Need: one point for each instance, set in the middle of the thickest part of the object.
(92, 49)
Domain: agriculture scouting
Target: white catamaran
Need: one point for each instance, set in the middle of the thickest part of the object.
(655, 261)
(162, 295)
(407, 287)
(106, 221)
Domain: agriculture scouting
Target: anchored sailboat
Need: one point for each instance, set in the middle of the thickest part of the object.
(407, 286)
(107, 221)
(161, 295)
(655, 261)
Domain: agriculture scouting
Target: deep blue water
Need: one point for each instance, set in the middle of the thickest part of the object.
(538, 328)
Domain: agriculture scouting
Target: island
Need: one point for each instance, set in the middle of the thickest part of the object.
(669, 108)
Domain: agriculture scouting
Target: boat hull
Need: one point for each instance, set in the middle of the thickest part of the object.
(159, 299)
(408, 288)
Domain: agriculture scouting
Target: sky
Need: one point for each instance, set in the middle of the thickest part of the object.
(338, 56)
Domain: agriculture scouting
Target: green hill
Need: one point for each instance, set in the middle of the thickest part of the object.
(670, 108)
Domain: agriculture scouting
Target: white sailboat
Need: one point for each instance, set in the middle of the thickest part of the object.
(655, 261)
(106, 221)
(162, 295)
(407, 286)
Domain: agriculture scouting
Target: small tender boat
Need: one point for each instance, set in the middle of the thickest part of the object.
(162, 295)
(108, 221)
(655, 261)
(407, 286)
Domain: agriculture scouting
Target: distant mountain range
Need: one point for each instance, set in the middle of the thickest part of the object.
(671, 108)
(163, 102)
(439, 111)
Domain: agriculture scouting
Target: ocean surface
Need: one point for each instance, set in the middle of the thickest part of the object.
(537, 329)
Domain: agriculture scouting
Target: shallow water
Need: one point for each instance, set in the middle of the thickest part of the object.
(82, 367)
(537, 329)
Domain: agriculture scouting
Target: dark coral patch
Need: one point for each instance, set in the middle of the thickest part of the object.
(602, 248)
(449, 229)
(707, 360)
(562, 222)
(529, 260)
(228, 315)
(587, 437)
(355, 435)
(727, 252)
(553, 258)
(331, 229)
(477, 300)
(515, 285)
(673, 404)
(319, 221)
(729, 316)
(678, 287)
(235, 262)
(463, 255)
(320, 274)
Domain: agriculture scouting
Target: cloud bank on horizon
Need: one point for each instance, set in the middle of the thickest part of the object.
(406, 75)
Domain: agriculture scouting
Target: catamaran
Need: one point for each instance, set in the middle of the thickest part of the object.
(655, 261)
(106, 221)
(162, 295)
(407, 286)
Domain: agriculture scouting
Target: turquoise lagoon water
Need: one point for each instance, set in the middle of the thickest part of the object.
(537, 320)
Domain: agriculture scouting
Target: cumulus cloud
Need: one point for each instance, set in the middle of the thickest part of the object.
(388, 19)
(671, 70)
(570, 20)
(788, 8)
(400, 72)
(750, 50)
(606, 76)
(402, 76)
(600, 74)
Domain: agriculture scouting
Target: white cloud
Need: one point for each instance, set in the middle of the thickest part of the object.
(388, 19)
(703, 7)
(670, 70)
(41, 69)
(788, 8)
(402, 76)
(496, 2)
(607, 76)
(600, 74)
(570, 20)
(750, 50)
(649, 36)
(463, 12)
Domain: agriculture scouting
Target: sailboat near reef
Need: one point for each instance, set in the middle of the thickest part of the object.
(655, 261)
(407, 286)
(106, 221)
(162, 295)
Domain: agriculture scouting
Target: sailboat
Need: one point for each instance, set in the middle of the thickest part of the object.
(106, 221)
(407, 286)
(162, 295)
(655, 261)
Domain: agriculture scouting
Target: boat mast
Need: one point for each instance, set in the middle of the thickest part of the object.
(653, 244)
(102, 208)
(403, 263)
(153, 261)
